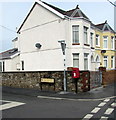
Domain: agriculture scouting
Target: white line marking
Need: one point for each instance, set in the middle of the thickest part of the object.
(88, 116)
(106, 100)
(10, 105)
(113, 104)
(109, 111)
(95, 110)
(104, 118)
(102, 104)
(47, 97)
(5, 101)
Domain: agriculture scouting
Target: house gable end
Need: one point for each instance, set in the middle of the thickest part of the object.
(43, 9)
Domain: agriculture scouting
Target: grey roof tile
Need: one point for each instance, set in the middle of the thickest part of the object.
(7, 54)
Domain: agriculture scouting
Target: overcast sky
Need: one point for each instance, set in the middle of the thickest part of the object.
(13, 13)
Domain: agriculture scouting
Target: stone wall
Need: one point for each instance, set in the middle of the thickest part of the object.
(32, 80)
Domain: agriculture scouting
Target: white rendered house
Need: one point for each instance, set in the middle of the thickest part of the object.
(43, 27)
(46, 25)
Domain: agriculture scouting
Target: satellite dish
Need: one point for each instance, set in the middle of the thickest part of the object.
(38, 45)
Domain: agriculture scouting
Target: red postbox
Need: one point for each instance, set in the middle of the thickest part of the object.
(75, 73)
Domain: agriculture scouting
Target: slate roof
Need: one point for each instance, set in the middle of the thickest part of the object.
(7, 54)
(55, 8)
(105, 27)
(74, 13)
(100, 26)
(70, 13)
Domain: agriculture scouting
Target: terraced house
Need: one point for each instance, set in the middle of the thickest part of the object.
(88, 46)
(105, 45)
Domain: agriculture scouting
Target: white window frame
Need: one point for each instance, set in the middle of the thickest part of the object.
(76, 58)
(112, 62)
(112, 43)
(105, 38)
(75, 32)
(85, 30)
(97, 37)
(86, 56)
(105, 59)
(91, 39)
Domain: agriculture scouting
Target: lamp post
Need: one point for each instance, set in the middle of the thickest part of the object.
(63, 46)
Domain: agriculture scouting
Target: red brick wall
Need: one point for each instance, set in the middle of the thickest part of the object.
(109, 77)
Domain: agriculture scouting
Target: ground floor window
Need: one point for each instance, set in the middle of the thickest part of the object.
(86, 61)
(76, 60)
(3, 66)
(22, 65)
(0, 66)
(112, 61)
(106, 61)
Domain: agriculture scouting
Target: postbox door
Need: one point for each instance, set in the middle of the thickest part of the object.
(75, 73)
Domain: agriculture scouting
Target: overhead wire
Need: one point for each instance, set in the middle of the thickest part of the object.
(111, 3)
(7, 28)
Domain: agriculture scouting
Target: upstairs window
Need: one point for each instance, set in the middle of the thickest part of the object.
(112, 42)
(97, 40)
(91, 39)
(85, 35)
(76, 60)
(75, 33)
(105, 42)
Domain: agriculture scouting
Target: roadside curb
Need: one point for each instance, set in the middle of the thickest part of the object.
(94, 89)
(59, 98)
(96, 94)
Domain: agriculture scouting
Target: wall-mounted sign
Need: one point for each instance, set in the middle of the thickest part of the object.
(47, 80)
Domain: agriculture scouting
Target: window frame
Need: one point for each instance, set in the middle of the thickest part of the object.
(105, 59)
(112, 43)
(91, 39)
(75, 32)
(76, 58)
(1, 66)
(105, 39)
(85, 31)
(97, 38)
(22, 62)
(86, 57)
(112, 62)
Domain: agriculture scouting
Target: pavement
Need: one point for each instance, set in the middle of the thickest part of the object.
(98, 93)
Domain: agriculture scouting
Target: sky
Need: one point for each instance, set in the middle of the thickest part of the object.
(13, 12)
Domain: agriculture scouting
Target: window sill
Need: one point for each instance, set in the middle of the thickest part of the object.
(97, 46)
(76, 44)
(86, 44)
(105, 49)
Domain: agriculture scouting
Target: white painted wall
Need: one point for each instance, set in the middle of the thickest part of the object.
(15, 43)
(48, 31)
(11, 64)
